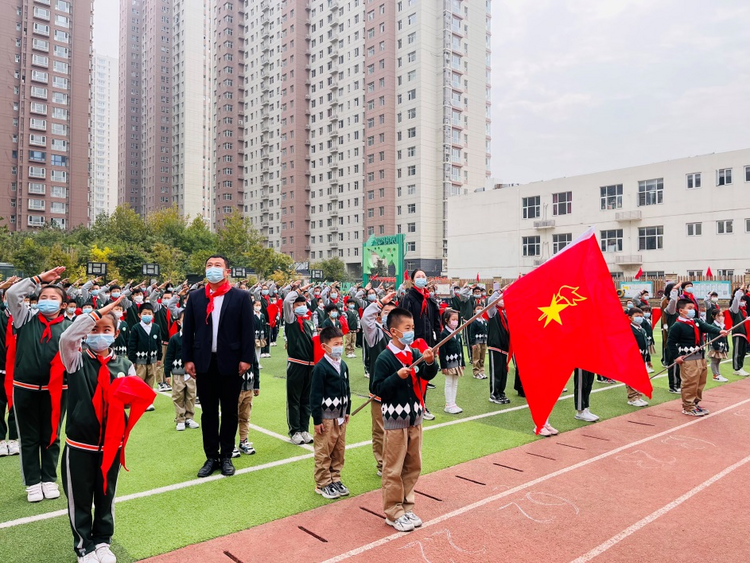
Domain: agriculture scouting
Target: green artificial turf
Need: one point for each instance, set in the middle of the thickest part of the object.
(159, 456)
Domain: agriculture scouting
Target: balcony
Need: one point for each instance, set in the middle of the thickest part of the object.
(629, 260)
(544, 224)
(628, 215)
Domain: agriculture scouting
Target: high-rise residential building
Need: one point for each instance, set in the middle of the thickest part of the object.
(362, 118)
(130, 105)
(104, 144)
(46, 62)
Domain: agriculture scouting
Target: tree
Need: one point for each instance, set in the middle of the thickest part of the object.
(334, 269)
(236, 239)
(168, 226)
(171, 261)
(380, 270)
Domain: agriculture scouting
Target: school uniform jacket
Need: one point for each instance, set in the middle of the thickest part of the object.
(452, 352)
(260, 326)
(173, 359)
(682, 339)
(721, 344)
(120, 344)
(352, 318)
(331, 322)
(738, 314)
(478, 332)
(426, 325)
(298, 332)
(143, 348)
(641, 337)
(330, 396)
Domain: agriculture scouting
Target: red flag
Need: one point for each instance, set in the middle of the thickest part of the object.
(552, 305)
(406, 275)
(655, 317)
(709, 273)
(477, 277)
(639, 274)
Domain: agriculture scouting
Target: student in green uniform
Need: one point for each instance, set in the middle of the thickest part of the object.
(261, 336)
(452, 362)
(719, 349)
(332, 317)
(298, 330)
(95, 430)
(39, 385)
(477, 341)
(352, 319)
(9, 430)
(183, 385)
(738, 311)
(637, 320)
(330, 401)
(649, 328)
(144, 346)
(120, 345)
(668, 318)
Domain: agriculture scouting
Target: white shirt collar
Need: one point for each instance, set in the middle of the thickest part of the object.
(334, 363)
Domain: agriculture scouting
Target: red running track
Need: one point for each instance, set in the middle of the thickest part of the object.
(653, 485)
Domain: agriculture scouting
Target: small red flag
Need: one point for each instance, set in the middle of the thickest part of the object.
(406, 275)
(639, 274)
(709, 273)
(553, 304)
(477, 277)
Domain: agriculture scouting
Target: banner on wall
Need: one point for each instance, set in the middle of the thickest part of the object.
(702, 288)
(632, 289)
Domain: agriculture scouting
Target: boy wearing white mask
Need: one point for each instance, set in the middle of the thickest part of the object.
(637, 320)
(144, 346)
(330, 399)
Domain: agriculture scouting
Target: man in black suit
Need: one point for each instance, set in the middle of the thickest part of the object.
(218, 345)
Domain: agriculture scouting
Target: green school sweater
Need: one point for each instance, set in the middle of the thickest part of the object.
(330, 396)
(143, 348)
(33, 357)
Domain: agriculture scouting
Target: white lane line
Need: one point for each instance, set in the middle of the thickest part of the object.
(493, 498)
(614, 540)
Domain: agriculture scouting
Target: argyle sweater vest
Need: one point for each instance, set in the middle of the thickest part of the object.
(173, 359)
(34, 358)
(144, 349)
(120, 345)
(330, 396)
(451, 353)
(260, 325)
(478, 332)
(681, 339)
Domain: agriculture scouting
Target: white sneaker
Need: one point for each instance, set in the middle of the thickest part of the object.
(453, 409)
(297, 439)
(104, 553)
(638, 403)
(586, 416)
(34, 493)
(551, 429)
(428, 415)
(543, 431)
(50, 490)
(3, 448)
(720, 378)
(180, 426)
(741, 373)
(13, 448)
(89, 558)
(649, 369)
(260, 366)
(402, 524)
(190, 423)
(414, 519)
(307, 438)
(150, 408)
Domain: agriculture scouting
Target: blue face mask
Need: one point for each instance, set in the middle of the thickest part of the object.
(407, 337)
(94, 292)
(421, 283)
(34, 306)
(264, 292)
(99, 342)
(71, 310)
(372, 297)
(48, 306)
(384, 319)
(300, 311)
(334, 314)
(638, 320)
(336, 352)
(647, 315)
(146, 319)
(214, 274)
(87, 310)
(114, 295)
(629, 305)
(691, 314)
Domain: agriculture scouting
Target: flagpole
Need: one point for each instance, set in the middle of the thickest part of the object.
(670, 366)
(445, 340)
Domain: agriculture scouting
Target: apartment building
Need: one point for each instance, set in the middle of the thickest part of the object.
(363, 118)
(104, 143)
(46, 65)
(676, 217)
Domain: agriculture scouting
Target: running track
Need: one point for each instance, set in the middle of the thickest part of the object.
(653, 485)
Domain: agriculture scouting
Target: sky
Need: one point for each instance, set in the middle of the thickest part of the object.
(581, 86)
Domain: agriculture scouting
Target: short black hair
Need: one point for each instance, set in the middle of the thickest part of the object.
(633, 311)
(300, 299)
(60, 291)
(713, 294)
(331, 307)
(147, 307)
(682, 303)
(89, 304)
(447, 314)
(398, 315)
(329, 333)
(113, 287)
(716, 313)
(226, 260)
(645, 307)
(137, 290)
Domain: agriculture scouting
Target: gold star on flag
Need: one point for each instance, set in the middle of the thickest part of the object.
(552, 313)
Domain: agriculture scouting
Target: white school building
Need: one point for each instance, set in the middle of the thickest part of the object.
(676, 217)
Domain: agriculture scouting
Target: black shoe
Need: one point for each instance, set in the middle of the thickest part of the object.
(503, 400)
(430, 386)
(208, 468)
(227, 469)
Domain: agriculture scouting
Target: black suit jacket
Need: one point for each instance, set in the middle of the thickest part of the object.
(235, 342)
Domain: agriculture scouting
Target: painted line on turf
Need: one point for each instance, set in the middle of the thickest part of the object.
(614, 540)
(478, 504)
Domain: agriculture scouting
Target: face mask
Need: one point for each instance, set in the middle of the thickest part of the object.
(87, 310)
(336, 352)
(34, 306)
(48, 306)
(715, 299)
(138, 299)
(384, 319)
(334, 295)
(453, 325)
(257, 310)
(71, 310)
(421, 283)
(647, 315)
(334, 314)
(316, 294)
(300, 311)
(170, 290)
(629, 305)
(351, 307)
(115, 295)
(214, 274)
(118, 314)
(689, 290)
(146, 319)
(407, 337)
(94, 292)
(99, 342)
(372, 297)
(691, 314)
(264, 292)
(477, 295)
(644, 298)
(638, 320)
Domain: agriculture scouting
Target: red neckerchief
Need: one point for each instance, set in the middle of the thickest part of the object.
(10, 361)
(504, 322)
(99, 400)
(211, 295)
(173, 328)
(690, 297)
(47, 324)
(406, 358)
(424, 293)
(691, 322)
(55, 386)
(93, 300)
(301, 320)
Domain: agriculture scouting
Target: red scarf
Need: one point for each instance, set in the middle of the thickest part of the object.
(301, 320)
(504, 322)
(47, 324)
(697, 332)
(55, 386)
(10, 361)
(93, 300)
(406, 358)
(425, 295)
(211, 295)
(99, 399)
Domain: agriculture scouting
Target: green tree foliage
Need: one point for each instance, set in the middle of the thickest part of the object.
(334, 269)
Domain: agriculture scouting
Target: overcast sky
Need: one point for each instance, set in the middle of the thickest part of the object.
(587, 85)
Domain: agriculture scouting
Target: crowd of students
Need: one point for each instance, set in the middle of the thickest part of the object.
(62, 345)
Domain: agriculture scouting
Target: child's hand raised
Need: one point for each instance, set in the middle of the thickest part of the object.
(51, 275)
(111, 305)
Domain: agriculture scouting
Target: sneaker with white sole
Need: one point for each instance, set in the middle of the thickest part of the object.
(329, 492)
(341, 488)
(551, 429)
(453, 409)
(693, 411)
(719, 378)
(297, 439)
(3, 448)
(543, 432)
(741, 373)
(104, 553)
(89, 558)
(150, 408)
(50, 490)
(180, 426)
(414, 519)
(402, 524)
(34, 493)
(586, 416)
(307, 437)
(247, 447)
(379, 472)
(638, 403)
(190, 423)
(674, 391)
(235, 453)
(13, 448)
(427, 415)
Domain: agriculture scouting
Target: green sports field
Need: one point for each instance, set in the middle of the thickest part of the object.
(162, 506)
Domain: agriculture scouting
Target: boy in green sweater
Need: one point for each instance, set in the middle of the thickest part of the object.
(330, 400)
(144, 346)
(401, 390)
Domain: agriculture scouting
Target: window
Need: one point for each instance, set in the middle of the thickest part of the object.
(694, 180)
(694, 229)
(725, 227)
(747, 173)
(611, 197)
(37, 188)
(724, 273)
(562, 203)
(411, 227)
(650, 192)
(723, 176)
(650, 238)
(531, 207)
(37, 172)
(747, 225)
(411, 246)
(532, 246)
(561, 241)
(411, 208)
(59, 191)
(611, 240)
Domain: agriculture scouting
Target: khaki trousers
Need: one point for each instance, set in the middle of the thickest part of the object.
(633, 395)
(244, 408)
(329, 452)
(147, 372)
(693, 373)
(350, 341)
(377, 433)
(402, 464)
(477, 357)
(183, 397)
